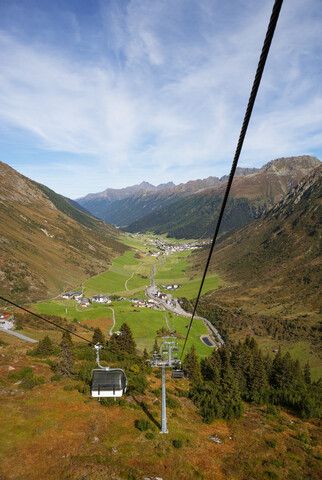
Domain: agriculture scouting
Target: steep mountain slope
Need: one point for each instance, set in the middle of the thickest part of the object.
(196, 216)
(272, 266)
(97, 203)
(45, 243)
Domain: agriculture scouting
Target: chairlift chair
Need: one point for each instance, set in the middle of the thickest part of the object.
(107, 382)
(177, 374)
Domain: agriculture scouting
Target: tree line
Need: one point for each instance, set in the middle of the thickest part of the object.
(239, 372)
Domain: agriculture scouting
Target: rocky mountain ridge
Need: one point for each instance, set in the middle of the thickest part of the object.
(250, 195)
(131, 203)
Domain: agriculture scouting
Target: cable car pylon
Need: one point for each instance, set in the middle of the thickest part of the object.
(168, 349)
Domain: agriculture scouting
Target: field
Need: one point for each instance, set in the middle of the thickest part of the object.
(144, 322)
(173, 269)
(122, 277)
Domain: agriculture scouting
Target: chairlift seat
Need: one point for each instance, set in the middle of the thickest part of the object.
(177, 374)
(108, 383)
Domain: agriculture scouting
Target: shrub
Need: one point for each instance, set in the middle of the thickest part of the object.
(271, 443)
(30, 382)
(26, 375)
(182, 393)
(270, 474)
(177, 443)
(55, 378)
(137, 384)
(23, 373)
(143, 425)
(157, 392)
(150, 435)
(69, 388)
(271, 410)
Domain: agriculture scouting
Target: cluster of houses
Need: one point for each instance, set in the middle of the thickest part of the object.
(143, 303)
(169, 248)
(85, 302)
(171, 287)
(166, 298)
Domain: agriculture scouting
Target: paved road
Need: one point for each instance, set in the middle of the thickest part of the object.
(151, 293)
(111, 331)
(19, 335)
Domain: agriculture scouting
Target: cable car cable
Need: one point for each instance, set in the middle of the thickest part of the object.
(45, 320)
(259, 72)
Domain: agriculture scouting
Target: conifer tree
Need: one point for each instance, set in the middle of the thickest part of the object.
(209, 369)
(98, 336)
(65, 364)
(45, 347)
(229, 394)
(155, 346)
(124, 342)
(307, 373)
(66, 337)
(127, 341)
(191, 365)
(257, 385)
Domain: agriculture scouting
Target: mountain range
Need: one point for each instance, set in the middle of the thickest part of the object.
(190, 210)
(251, 193)
(124, 206)
(46, 244)
(97, 203)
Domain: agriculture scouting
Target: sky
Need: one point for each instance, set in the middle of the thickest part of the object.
(98, 94)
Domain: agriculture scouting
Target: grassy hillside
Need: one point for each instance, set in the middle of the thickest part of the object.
(62, 433)
(272, 269)
(47, 245)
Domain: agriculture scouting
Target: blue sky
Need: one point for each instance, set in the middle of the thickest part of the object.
(103, 94)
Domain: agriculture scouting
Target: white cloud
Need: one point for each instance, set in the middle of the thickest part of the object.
(169, 89)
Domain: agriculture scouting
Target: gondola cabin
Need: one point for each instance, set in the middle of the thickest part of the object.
(108, 383)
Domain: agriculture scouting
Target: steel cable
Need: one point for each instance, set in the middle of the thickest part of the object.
(259, 72)
(45, 320)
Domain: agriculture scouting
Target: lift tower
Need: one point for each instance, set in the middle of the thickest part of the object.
(167, 358)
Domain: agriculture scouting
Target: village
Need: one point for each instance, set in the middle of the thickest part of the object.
(168, 248)
(136, 302)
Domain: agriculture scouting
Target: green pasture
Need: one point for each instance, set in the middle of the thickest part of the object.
(173, 268)
(144, 323)
(114, 280)
(198, 328)
(134, 242)
(59, 308)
